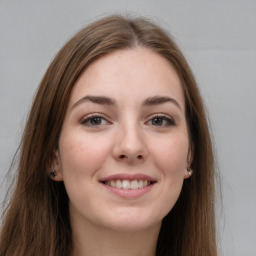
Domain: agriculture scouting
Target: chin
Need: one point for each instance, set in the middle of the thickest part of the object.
(131, 222)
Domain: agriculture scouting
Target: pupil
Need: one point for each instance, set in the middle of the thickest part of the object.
(96, 120)
(157, 121)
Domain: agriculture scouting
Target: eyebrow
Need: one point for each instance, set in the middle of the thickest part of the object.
(102, 100)
(95, 99)
(156, 100)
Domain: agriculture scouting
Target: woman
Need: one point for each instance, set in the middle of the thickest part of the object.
(116, 156)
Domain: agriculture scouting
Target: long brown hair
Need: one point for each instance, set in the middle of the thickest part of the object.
(36, 220)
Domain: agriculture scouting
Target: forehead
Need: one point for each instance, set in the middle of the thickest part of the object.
(129, 74)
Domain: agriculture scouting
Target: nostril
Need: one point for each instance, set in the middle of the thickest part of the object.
(125, 156)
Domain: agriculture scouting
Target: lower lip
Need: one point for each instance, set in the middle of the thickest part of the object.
(129, 193)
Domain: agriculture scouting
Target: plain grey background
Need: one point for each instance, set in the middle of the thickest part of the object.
(217, 37)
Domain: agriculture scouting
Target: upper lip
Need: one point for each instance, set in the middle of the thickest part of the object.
(128, 176)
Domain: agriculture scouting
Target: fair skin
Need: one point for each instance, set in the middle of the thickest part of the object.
(123, 152)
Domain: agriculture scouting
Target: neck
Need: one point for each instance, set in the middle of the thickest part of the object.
(95, 241)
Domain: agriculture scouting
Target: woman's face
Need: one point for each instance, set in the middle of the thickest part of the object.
(124, 147)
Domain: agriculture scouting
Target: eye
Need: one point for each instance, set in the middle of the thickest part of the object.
(94, 120)
(161, 120)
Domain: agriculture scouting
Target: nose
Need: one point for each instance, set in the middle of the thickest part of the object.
(130, 145)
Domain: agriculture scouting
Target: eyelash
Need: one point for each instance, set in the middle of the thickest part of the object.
(163, 118)
(169, 121)
(85, 121)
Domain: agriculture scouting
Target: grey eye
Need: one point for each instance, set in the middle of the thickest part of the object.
(161, 121)
(157, 121)
(94, 121)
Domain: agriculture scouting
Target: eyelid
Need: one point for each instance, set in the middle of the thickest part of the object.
(93, 115)
(166, 117)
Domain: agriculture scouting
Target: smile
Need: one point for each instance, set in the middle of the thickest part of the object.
(128, 184)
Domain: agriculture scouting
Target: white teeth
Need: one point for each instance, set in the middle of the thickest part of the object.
(134, 184)
(127, 184)
(118, 184)
(140, 183)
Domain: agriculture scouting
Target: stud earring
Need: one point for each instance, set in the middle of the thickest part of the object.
(190, 171)
(53, 173)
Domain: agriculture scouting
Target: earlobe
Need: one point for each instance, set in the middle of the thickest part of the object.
(55, 172)
(188, 173)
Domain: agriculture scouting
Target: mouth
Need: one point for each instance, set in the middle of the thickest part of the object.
(128, 184)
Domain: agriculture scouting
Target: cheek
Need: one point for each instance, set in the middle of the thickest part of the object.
(82, 155)
(171, 155)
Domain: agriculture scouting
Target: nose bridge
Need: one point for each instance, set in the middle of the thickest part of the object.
(130, 142)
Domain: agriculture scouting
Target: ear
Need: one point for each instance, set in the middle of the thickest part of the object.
(188, 171)
(56, 166)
